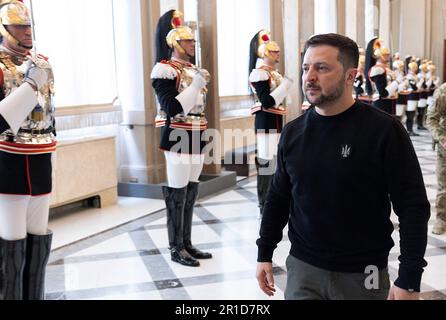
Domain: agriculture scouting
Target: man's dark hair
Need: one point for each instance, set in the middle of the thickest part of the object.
(348, 49)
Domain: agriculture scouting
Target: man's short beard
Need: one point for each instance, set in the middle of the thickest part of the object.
(323, 99)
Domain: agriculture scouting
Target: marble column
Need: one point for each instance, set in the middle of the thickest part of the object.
(325, 16)
(354, 21)
(207, 16)
(385, 22)
(395, 25)
(135, 23)
(415, 29)
(438, 37)
(292, 55)
(371, 20)
(306, 20)
(166, 5)
(341, 16)
(276, 25)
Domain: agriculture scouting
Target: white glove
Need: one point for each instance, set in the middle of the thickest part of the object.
(199, 82)
(37, 76)
(18, 105)
(420, 85)
(189, 97)
(402, 87)
(392, 88)
(281, 91)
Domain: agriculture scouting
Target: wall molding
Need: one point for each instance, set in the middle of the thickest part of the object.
(87, 109)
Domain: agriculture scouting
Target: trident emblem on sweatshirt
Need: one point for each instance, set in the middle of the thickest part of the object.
(346, 151)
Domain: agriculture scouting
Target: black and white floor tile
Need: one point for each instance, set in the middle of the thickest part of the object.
(131, 261)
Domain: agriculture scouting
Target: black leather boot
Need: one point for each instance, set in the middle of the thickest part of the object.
(12, 263)
(410, 115)
(265, 174)
(175, 201)
(38, 250)
(420, 119)
(191, 198)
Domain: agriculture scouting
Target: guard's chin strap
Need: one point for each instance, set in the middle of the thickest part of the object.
(18, 53)
(25, 47)
(181, 49)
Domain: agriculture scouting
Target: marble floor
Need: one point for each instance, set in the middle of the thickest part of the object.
(120, 252)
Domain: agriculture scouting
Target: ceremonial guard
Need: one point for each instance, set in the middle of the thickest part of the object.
(380, 78)
(433, 83)
(359, 86)
(270, 89)
(414, 97)
(424, 95)
(27, 141)
(180, 87)
(403, 88)
(359, 83)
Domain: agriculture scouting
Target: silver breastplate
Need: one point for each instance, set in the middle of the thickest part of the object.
(187, 75)
(38, 126)
(276, 80)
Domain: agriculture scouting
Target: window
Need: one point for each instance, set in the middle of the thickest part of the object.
(167, 5)
(190, 10)
(371, 20)
(78, 38)
(325, 16)
(238, 22)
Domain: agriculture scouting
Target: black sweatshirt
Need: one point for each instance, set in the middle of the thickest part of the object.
(335, 181)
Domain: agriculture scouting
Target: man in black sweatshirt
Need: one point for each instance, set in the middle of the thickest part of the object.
(340, 168)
